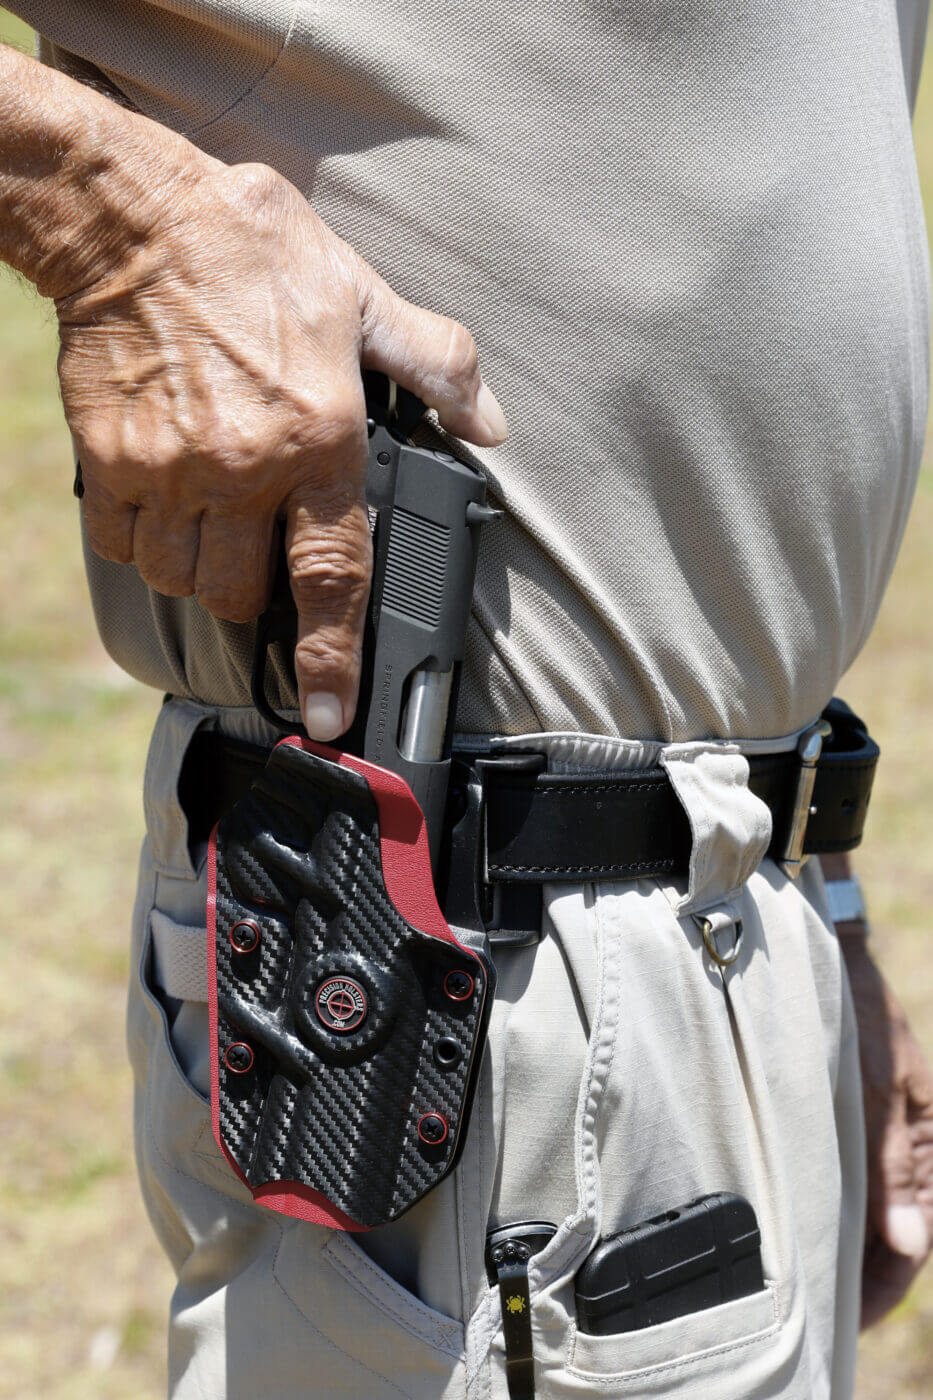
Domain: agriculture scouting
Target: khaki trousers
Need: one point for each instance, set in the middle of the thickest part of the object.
(626, 1073)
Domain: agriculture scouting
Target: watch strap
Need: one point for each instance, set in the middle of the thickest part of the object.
(846, 900)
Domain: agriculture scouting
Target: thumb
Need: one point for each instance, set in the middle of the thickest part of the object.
(434, 357)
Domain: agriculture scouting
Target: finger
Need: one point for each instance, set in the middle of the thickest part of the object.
(165, 550)
(434, 357)
(330, 565)
(894, 1210)
(920, 1121)
(922, 1134)
(108, 523)
(233, 577)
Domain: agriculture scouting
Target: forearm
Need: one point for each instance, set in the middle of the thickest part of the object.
(897, 1096)
(82, 180)
(836, 867)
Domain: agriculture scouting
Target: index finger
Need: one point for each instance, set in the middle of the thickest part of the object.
(329, 552)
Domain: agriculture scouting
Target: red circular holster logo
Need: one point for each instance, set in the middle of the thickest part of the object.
(341, 1004)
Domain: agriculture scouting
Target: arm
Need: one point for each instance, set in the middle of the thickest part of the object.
(898, 1098)
(212, 331)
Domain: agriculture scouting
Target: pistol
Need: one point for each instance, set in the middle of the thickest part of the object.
(426, 509)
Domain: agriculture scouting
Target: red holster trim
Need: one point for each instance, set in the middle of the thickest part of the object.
(403, 836)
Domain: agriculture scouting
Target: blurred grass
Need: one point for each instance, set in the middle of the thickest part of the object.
(83, 1289)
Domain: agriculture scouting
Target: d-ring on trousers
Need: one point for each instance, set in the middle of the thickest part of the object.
(627, 1072)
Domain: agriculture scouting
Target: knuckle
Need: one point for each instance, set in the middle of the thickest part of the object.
(165, 553)
(461, 363)
(172, 586)
(335, 426)
(108, 544)
(232, 598)
(253, 182)
(329, 579)
(167, 575)
(235, 465)
(109, 533)
(99, 448)
(319, 654)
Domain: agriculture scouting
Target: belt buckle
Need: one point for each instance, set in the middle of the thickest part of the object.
(809, 748)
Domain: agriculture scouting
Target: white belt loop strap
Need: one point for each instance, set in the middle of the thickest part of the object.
(731, 827)
(179, 958)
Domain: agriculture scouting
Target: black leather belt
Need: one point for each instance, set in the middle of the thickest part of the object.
(513, 824)
(626, 824)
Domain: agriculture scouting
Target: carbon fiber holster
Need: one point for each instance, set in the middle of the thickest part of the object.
(347, 1021)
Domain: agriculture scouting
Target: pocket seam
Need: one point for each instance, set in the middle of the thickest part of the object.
(678, 1363)
(433, 1331)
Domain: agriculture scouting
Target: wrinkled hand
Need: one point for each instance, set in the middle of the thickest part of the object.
(898, 1097)
(211, 380)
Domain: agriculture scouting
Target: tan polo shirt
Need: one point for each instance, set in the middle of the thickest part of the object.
(688, 239)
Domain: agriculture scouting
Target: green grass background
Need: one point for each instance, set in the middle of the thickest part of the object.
(83, 1289)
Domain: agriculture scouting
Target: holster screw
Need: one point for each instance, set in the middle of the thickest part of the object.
(244, 936)
(432, 1128)
(239, 1057)
(458, 985)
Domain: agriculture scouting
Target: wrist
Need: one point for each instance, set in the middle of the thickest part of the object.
(847, 908)
(846, 900)
(123, 202)
(83, 181)
(854, 933)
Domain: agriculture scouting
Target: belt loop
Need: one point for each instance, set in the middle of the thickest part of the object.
(509, 913)
(462, 887)
(730, 826)
(512, 910)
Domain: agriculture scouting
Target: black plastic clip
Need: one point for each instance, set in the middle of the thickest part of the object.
(508, 1251)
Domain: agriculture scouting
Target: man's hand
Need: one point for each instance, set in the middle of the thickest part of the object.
(212, 333)
(898, 1096)
(212, 385)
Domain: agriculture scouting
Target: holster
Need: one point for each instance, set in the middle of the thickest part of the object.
(347, 1021)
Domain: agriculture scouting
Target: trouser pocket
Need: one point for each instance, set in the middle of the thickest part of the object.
(686, 1356)
(714, 1080)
